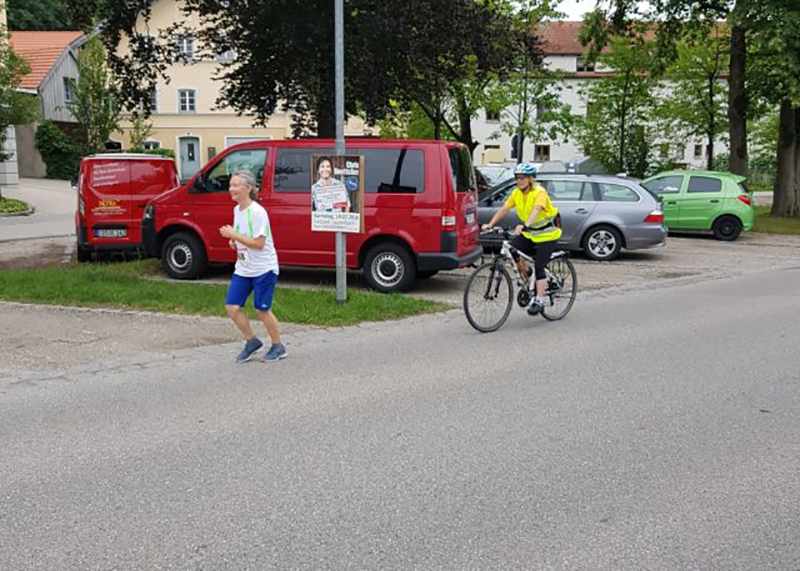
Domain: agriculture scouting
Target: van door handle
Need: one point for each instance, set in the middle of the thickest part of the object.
(671, 202)
(715, 200)
(581, 211)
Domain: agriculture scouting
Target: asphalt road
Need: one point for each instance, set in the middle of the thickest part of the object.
(649, 430)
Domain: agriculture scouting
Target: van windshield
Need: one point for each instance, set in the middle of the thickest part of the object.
(461, 169)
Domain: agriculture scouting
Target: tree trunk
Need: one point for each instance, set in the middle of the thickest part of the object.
(737, 102)
(784, 201)
(465, 125)
(326, 117)
(796, 161)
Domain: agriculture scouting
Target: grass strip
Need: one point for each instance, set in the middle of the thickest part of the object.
(11, 205)
(125, 286)
(768, 224)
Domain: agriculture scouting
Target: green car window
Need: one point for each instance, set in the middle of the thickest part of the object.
(664, 185)
(704, 184)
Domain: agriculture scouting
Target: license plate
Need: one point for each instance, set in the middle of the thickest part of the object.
(110, 232)
(471, 218)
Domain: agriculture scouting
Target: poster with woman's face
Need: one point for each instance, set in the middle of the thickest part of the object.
(337, 193)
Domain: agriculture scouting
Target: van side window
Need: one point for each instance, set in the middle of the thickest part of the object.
(293, 169)
(461, 170)
(218, 178)
(393, 171)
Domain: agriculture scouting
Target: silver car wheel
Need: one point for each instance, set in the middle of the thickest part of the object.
(388, 269)
(602, 243)
(180, 257)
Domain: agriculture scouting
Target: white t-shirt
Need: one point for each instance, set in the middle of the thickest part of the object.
(254, 222)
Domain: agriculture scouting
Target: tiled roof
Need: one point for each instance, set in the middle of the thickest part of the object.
(41, 50)
(562, 38)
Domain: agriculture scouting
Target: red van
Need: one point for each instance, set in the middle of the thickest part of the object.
(113, 190)
(420, 210)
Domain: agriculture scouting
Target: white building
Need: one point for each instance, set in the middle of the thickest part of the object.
(563, 53)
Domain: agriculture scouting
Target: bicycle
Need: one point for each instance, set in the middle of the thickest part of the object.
(489, 293)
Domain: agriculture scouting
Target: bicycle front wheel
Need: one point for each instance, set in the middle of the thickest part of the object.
(562, 287)
(488, 297)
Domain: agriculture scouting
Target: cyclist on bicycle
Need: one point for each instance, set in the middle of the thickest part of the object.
(540, 229)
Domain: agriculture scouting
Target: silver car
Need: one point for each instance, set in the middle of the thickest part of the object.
(600, 214)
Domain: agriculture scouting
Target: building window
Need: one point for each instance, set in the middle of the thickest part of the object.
(185, 47)
(227, 55)
(151, 145)
(492, 115)
(583, 65)
(541, 153)
(680, 151)
(69, 89)
(151, 102)
(187, 102)
(698, 151)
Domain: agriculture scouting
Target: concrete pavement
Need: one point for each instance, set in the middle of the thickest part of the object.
(55, 204)
(649, 430)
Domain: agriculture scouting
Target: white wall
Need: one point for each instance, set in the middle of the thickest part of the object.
(484, 130)
(9, 171)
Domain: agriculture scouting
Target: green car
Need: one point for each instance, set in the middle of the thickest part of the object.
(704, 200)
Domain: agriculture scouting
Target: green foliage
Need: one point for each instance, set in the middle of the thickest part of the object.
(94, 105)
(130, 285)
(141, 131)
(60, 155)
(15, 108)
(697, 104)
(159, 152)
(618, 130)
(39, 15)
(12, 205)
(421, 53)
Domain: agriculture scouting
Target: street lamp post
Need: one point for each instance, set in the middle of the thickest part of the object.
(341, 239)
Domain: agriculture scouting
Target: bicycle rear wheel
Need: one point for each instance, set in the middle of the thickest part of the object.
(562, 287)
(488, 297)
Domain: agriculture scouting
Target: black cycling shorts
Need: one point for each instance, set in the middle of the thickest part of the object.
(541, 252)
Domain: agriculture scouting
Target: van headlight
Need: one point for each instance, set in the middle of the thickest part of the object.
(149, 212)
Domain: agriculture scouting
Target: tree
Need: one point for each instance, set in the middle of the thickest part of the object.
(15, 108)
(775, 55)
(94, 105)
(39, 15)
(141, 131)
(285, 56)
(617, 128)
(697, 104)
(534, 109)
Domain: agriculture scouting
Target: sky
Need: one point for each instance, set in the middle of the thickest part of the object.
(575, 9)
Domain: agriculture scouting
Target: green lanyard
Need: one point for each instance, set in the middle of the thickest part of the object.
(249, 223)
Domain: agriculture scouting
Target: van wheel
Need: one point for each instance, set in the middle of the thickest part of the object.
(183, 256)
(426, 274)
(602, 243)
(389, 268)
(83, 255)
(727, 228)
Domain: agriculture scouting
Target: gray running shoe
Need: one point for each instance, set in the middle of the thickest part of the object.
(275, 353)
(249, 350)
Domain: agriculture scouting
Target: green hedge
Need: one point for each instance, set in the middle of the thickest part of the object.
(60, 155)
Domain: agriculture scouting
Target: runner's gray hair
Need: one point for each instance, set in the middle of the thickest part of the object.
(247, 178)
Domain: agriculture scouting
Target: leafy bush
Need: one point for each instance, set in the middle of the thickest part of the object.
(60, 155)
(169, 153)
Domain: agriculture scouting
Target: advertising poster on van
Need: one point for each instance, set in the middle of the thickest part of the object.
(337, 195)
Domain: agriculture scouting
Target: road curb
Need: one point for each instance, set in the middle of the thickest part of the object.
(27, 212)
